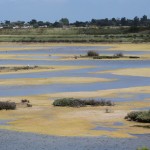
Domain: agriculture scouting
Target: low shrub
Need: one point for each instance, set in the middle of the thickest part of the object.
(92, 53)
(119, 55)
(25, 101)
(134, 57)
(29, 105)
(7, 106)
(105, 57)
(72, 102)
(139, 116)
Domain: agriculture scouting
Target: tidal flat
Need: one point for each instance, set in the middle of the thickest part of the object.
(125, 82)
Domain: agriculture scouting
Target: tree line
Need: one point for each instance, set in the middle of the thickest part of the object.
(64, 22)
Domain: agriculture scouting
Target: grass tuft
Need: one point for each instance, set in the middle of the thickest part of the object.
(7, 106)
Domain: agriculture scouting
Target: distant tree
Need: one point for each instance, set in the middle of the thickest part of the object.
(33, 22)
(48, 24)
(114, 21)
(64, 21)
(123, 21)
(57, 25)
(136, 21)
(144, 18)
(80, 24)
(93, 22)
(144, 21)
(19, 23)
(40, 23)
(7, 22)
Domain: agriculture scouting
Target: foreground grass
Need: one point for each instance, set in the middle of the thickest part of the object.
(75, 38)
(83, 35)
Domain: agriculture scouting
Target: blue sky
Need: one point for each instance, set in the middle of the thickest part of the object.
(82, 10)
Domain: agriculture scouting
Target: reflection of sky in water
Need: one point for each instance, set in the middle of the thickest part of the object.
(104, 63)
(137, 97)
(39, 57)
(104, 128)
(76, 50)
(100, 65)
(4, 122)
(143, 108)
(118, 124)
(122, 82)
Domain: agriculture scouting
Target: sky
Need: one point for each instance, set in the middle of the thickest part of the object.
(81, 10)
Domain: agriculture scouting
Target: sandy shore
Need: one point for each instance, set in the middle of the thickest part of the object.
(58, 80)
(142, 72)
(40, 68)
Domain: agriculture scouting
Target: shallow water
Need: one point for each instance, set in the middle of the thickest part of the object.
(74, 50)
(4, 122)
(100, 65)
(122, 82)
(104, 128)
(30, 141)
(118, 124)
(103, 63)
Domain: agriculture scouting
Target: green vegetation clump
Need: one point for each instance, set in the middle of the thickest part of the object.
(139, 116)
(143, 148)
(92, 54)
(134, 57)
(7, 106)
(72, 102)
(118, 55)
(106, 57)
(25, 101)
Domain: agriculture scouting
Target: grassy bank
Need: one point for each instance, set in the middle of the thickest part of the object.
(76, 35)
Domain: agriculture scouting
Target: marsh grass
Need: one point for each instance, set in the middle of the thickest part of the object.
(73, 34)
(72, 102)
(18, 68)
(7, 106)
(139, 116)
(92, 54)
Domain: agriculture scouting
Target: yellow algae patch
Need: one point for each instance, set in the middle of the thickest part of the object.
(23, 57)
(131, 47)
(19, 48)
(32, 45)
(7, 69)
(43, 118)
(144, 72)
(61, 80)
